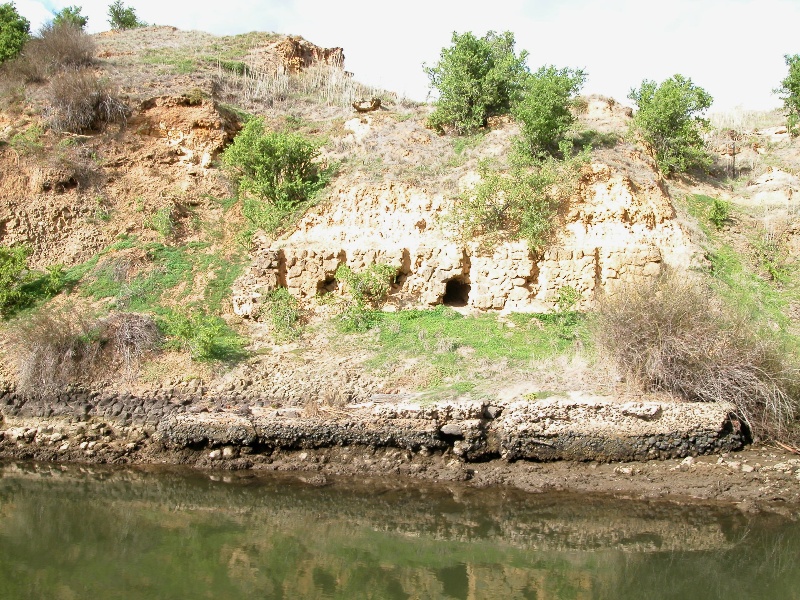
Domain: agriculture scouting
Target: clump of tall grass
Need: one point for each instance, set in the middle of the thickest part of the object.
(55, 348)
(325, 84)
(672, 335)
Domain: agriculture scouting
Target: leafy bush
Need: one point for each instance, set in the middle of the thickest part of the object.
(277, 168)
(79, 101)
(14, 31)
(668, 122)
(368, 290)
(476, 78)
(14, 275)
(544, 109)
(123, 17)
(196, 331)
(70, 15)
(284, 313)
(29, 141)
(21, 287)
(719, 212)
(519, 204)
(790, 87)
(669, 336)
(161, 221)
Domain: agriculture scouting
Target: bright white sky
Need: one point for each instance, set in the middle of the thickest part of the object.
(732, 48)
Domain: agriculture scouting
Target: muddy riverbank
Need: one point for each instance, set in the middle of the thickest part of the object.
(645, 449)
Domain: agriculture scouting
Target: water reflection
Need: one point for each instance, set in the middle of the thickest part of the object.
(74, 533)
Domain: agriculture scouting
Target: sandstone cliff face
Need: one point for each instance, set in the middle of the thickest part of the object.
(614, 231)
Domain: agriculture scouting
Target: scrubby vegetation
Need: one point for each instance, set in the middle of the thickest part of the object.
(79, 101)
(280, 171)
(476, 78)
(668, 121)
(521, 203)
(674, 336)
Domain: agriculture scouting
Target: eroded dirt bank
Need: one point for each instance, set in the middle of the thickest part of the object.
(683, 452)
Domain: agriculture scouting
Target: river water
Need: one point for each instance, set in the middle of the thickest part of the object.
(78, 532)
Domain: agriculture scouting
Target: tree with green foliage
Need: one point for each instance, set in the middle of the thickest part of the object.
(279, 169)
(668, 121)
(70, 15)
(476, 78)
(543, 111)
(123, 17)
(15, 30)
(790, 88)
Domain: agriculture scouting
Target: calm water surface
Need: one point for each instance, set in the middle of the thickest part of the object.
(75, 533)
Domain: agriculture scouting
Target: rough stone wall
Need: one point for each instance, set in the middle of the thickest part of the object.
(614, 232)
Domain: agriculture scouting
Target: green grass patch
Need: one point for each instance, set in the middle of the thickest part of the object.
(163, 286)
(454, 346)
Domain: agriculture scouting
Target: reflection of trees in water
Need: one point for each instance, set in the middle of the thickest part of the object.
(183, 536)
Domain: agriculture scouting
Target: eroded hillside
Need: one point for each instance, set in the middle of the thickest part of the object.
(145, 220)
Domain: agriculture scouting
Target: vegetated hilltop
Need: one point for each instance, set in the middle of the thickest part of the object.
(175, 276)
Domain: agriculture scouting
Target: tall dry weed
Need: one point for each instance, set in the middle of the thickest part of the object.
(672, 335)
(56, 348)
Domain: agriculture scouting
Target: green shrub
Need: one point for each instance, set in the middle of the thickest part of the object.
(70, 15)
(544, 109)
(668, 122)
(29, 141)
(522, 203)
(15, 30)
(790, 88)
(476, 78)
(162, 222)
(370, 287)
(719, 213)
(123, 17)
(671, 335)
(284, 313)
(368, 291)
(79, 101)
(14, 275)
(278, 169)
(196, 331)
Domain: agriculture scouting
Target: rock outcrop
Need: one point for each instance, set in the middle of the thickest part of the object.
(615, 231)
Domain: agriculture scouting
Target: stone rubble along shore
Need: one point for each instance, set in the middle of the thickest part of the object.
(572, 427)
(696, 449)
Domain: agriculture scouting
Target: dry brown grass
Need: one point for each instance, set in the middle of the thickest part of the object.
(673, 336)
(55, 348)
(56, 47)
(80, 101)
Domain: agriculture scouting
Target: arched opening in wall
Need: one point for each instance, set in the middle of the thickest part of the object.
(456, 293)
(327, 285)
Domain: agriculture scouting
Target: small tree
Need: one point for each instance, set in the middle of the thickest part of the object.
(15, 30)
(70, 15)
(668, 122)
(476, 78)
(543, 111)
(279, 169)
(123, 17)
(790, 87)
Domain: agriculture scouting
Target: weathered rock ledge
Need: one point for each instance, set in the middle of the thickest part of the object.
(564, 428)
